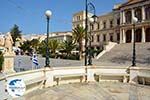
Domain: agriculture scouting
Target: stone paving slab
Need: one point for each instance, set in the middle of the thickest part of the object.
(91, 91)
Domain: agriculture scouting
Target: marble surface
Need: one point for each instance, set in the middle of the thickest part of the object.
(91, 91)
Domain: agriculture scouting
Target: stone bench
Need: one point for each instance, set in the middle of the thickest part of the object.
(58, 78)
(123, 76)
(143, 77)
(35, 80)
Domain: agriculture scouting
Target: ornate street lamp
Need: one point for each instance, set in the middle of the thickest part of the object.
(48, 14)
(92, 20)
(135, 20)
(91, 7)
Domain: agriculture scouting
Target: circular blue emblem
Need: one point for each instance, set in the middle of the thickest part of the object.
(16, 87)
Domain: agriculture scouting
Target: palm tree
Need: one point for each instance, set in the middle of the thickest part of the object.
(35, 44)
(53, 45)
(42, 48)
(68, 46)
(78, 36)
(25, 46)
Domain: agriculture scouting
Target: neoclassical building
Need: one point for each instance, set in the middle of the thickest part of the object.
(79, 19)
(141, 10)
(117, 26)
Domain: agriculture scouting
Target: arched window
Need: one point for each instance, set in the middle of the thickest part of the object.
(128, 16)
(147, 12)
(138, 13)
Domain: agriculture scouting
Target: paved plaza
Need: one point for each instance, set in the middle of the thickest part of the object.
(26, 62)
(91, 91)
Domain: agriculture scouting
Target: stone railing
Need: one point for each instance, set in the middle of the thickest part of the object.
(49, 73)
(45, 77)
(140, 75)
(105, 70)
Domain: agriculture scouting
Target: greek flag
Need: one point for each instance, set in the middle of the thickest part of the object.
(35, 61)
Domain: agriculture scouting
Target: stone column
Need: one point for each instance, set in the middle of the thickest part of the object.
(48, 72)
(121, 19)
(133, 14)
(132, 40)
(143, 34)
(143, 13)
(124, 36)
(133, 75)
(121, 40)
(115, 37)
(8, 66)
(95, 38)
(107, 37)
(123, 16)
(101, 38)
(90, 74)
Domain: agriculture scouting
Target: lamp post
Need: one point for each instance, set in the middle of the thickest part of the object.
(86, 26)
(135, 20)
(88, 5)
(48, 14)
(92, 20)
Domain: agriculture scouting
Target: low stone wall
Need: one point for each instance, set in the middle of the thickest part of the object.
(50, 73)
(139, 72)
(104, 69)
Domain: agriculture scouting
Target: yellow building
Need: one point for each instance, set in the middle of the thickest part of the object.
(117, 26)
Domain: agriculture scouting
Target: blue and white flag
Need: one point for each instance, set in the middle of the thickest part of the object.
(35, 60)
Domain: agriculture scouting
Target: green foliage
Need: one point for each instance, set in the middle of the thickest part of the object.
(78, 35)
(29, 46)
(15, 33)
(68, 46)
(71, 57)
(53, 45)
(26, 46)
(1, 60)
(35, 44)
(42, 49)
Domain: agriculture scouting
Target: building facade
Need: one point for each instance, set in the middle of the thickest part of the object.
(117, 26)
(61, 36)
(141, 10)
(79, 19)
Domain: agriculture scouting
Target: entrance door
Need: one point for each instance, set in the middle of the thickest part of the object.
(128, 36)
(111, 37)
(138, 35)
(118, 37)
(148, 35)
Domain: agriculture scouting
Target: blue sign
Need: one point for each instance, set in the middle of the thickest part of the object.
(16, 87)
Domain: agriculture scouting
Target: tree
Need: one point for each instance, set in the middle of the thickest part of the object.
(1, 60)
(68, 46)
(35, 44)
(78, 36)
(53, 46)
(15, 33)
(26, 46)
(42, 48)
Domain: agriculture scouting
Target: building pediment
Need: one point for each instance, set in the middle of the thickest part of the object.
(131, 2)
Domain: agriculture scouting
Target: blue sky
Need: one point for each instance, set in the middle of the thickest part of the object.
(29, 14)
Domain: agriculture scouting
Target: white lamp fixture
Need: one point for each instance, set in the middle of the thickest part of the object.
(48, 13)
(135, 20)
(91, 19)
